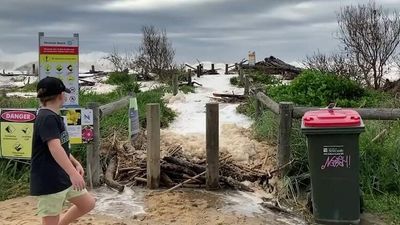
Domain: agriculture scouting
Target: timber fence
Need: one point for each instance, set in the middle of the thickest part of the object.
(287, 111)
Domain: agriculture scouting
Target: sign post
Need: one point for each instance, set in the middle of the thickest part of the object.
(252, 58)
(16, 128)
(134, 126)
(59, 57)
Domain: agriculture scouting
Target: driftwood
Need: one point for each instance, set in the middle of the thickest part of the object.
(273, 65)
(127, 165)
(235, 184)
(191, 67)
(84, 82)
(380, 135)
(185, 182)
(274, 207)
(109, 176)
(241, 97)
(166, 180)
(196, 168)
(192, 83)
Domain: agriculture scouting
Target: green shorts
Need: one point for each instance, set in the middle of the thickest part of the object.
(52, 204)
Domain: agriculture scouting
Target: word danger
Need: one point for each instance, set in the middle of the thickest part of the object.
(18, 116)
(339, 161)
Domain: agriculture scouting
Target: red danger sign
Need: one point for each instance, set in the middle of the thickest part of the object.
(18, 116)
(59, 50)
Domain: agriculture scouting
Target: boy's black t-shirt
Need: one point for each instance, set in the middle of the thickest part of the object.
(47, 177)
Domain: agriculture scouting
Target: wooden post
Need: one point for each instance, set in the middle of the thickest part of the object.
(33, 69)
(198, 71)
(212, 67)
(189, 78)
(226, 69)
(93, 148)
(212, 146)
(285, 127)
(258, 108)
(246, 86)
(153, 145)
(240, 75)
(175, 84)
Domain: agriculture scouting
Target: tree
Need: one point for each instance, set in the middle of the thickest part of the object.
(120, 63)
(335, 63)
(155, 54)
(370, 36)
(115, 59)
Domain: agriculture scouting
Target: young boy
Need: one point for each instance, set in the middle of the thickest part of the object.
(56, 176)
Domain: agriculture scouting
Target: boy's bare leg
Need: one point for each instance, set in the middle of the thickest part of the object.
(50, 220)
(82, 205)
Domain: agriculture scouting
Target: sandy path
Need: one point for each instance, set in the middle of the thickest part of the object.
(180, 208)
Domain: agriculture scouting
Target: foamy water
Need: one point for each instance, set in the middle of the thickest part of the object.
(120, 205)
(191, 109)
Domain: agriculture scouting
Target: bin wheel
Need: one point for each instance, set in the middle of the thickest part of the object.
(309, 202)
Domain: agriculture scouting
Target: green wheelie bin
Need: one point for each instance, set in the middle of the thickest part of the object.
(332, 140)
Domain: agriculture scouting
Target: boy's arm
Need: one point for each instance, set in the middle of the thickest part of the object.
(58, 153)
(74, 161)
(77, 164)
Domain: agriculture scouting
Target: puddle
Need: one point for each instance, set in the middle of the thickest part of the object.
(120, 205)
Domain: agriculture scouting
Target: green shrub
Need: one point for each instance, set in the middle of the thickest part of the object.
(118, 78)
(167, 75)
(314, 88)
(234, 80)
(130, 88)
(261, 77)
(30, 87)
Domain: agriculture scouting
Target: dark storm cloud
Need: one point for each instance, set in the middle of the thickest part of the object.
(218, 30)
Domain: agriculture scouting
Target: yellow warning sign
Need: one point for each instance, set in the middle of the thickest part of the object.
(58, 59)
(16, 133)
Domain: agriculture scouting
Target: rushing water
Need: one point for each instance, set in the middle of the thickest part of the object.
(121, 205)
(131, 202)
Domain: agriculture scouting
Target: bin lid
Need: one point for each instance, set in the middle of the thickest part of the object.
(332, 118)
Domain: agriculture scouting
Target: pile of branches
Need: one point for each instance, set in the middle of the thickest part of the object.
(126, 166)
(273, 65)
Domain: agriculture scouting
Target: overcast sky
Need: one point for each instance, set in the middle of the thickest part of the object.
(212, 30)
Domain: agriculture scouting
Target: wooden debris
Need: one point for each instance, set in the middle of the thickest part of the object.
(109, 176)
(240, 97)
(275, 207)
(126, 164)
(380, 135)
(235, 184)
(186, 181)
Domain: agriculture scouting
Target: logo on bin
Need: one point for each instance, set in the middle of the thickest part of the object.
(335, 157)
(339, 161)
